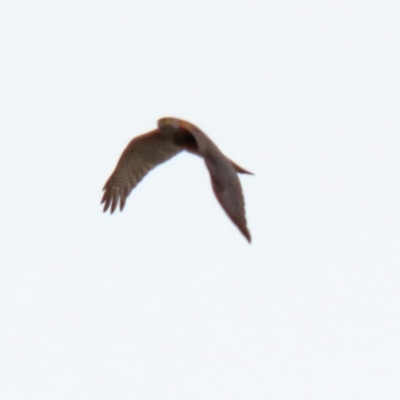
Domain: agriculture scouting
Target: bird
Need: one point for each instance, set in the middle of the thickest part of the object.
(172, 136)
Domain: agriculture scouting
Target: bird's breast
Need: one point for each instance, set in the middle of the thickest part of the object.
(185, 140)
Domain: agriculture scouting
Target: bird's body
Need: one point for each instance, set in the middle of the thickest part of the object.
(174, 135)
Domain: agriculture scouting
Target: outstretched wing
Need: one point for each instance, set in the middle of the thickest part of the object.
(141, 155)
(227, 189)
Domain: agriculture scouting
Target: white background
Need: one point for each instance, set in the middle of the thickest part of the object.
(167, 300)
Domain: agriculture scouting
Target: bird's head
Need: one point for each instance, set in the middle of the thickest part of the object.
(168, 124)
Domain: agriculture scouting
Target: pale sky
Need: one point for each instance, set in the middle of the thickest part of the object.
(167, 300)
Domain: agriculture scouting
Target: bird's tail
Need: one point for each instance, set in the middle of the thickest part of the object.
(240, 169)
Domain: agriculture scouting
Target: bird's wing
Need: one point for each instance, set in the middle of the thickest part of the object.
(141, 155)
(227, 189)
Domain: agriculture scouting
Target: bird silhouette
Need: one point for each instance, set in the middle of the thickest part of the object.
(172, 136)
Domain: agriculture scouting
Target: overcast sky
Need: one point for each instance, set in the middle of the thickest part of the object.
(167, 300)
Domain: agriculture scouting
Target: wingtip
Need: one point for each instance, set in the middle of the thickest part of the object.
(246, 233)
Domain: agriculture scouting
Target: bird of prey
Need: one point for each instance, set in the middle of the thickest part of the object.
(172, 136)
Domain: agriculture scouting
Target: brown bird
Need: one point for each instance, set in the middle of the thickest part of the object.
(174, 135)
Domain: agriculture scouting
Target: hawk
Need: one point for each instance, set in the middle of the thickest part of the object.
(172, 136)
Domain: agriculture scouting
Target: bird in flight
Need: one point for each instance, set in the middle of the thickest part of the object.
(172, 136)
